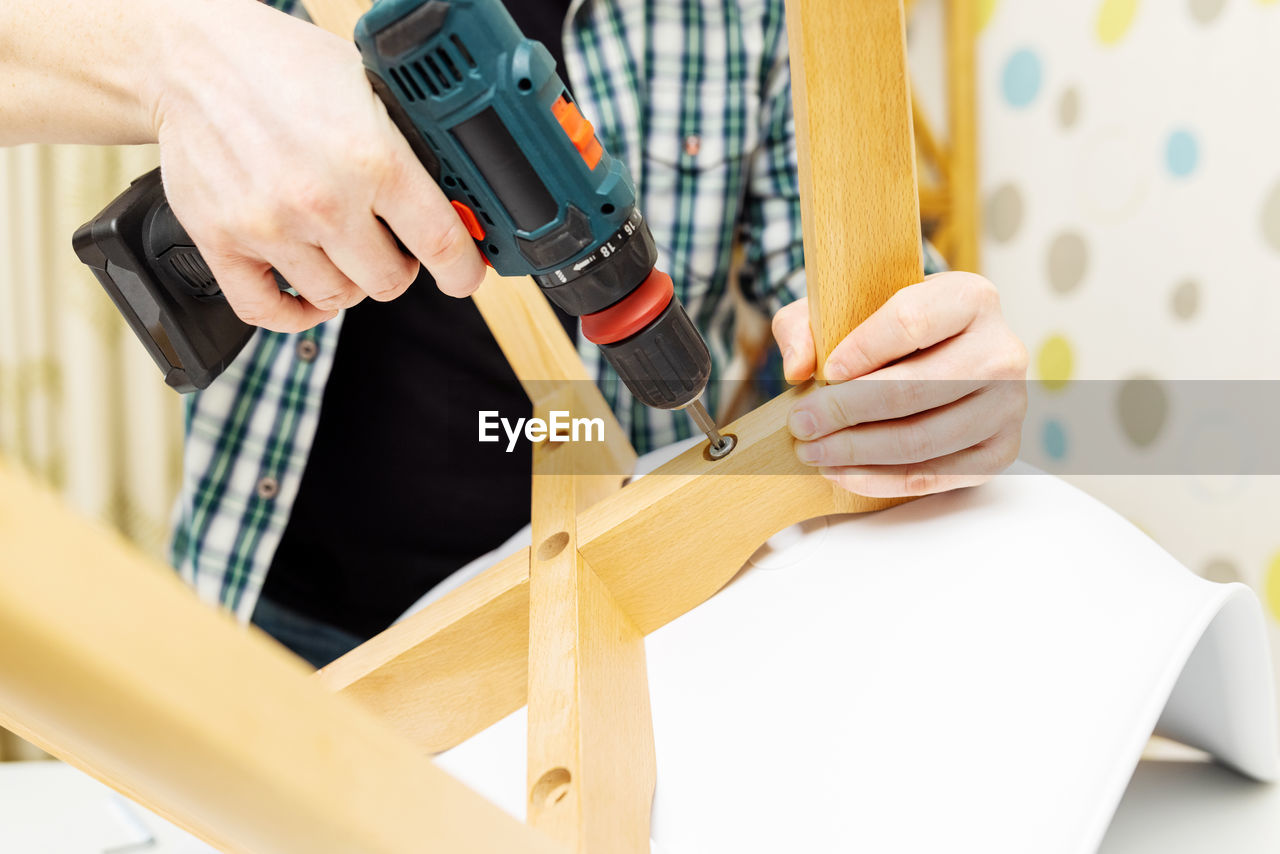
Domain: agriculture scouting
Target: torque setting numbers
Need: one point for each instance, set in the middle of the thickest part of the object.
(603, 251)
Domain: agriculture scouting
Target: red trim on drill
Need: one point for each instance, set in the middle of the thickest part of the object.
(468, 217)
(635, 311)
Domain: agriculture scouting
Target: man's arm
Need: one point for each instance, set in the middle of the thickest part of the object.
(78, 70)
(275, 151)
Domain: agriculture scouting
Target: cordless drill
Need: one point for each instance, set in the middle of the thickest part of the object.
(484, 110)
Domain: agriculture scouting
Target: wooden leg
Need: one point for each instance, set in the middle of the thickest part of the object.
(858, 197)
(591, 765)
(858, 194)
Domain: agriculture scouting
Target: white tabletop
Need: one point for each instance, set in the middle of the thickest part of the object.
(52, 808)
(1171, 807)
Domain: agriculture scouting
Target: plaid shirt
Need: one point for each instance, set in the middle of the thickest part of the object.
(695, 97)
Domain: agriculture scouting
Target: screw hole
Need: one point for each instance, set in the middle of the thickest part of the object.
(493, 250)
(551, 787)
(525, 84)
(553, 545)
(606, 209)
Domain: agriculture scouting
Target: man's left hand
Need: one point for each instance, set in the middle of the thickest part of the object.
(928, 394)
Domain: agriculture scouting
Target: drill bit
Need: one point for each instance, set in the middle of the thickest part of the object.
(720, 445)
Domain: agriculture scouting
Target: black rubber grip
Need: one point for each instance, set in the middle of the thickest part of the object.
(666, 365)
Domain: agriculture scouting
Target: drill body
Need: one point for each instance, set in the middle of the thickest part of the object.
(484, 110)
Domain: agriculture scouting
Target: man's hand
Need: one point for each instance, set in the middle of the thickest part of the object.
(926, 395)
(275, 152)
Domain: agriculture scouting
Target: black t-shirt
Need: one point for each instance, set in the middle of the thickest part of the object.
(397, 491)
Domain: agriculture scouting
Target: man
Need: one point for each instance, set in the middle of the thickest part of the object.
(333, 473)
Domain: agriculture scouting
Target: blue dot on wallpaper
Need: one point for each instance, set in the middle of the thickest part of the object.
(1054, 439)
(1021, 78)
(1181, 153)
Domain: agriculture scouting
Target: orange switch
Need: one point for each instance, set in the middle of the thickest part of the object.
(592, 153)
(579, 131)
(468, 217)
(567, 114)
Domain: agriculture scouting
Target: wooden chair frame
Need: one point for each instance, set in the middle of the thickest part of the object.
(948, 167)
(108, 662)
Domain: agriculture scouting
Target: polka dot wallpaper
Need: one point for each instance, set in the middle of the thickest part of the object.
(1131, 187)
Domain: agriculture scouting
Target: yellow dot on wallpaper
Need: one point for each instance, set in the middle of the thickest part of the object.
(1271, 586)
(1114, 19)
(987, 8)
(1055, 362)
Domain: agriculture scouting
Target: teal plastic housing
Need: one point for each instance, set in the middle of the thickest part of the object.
(480, 95)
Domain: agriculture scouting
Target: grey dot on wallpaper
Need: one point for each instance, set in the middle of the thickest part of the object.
(1205, 11)
(1271, 217)
(1185, 300)
(1142, 408)
(1220, 570)
(1068, 260)
(1004, 213)
(1069, 108)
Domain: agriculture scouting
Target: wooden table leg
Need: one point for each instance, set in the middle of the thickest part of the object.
(591, 769)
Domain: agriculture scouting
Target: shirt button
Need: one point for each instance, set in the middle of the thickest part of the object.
(307, 349)
(692, 144)
(268, 488)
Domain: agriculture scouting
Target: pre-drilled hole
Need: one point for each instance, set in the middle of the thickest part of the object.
(553, 545)
(551, 787)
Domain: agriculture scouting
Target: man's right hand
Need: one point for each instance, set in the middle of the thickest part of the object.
(275, 152)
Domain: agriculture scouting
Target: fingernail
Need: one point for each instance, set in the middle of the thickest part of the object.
(835, 372)
(809, 452)
(802, 425)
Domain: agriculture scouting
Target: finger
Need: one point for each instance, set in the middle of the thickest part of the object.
(835, 408)
(915, 318)
(253, 294)
(969, 467)
(897, 391)
(366, 253)
(310, 271)
(418, 212)
(920, 438)
(795, 340)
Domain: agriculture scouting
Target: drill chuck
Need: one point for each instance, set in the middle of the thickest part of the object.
(666, 363)
(630, 312)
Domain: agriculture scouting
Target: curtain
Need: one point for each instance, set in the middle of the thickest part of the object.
(81, 404)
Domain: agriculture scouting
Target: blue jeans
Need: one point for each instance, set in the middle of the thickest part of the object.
(315, 642)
